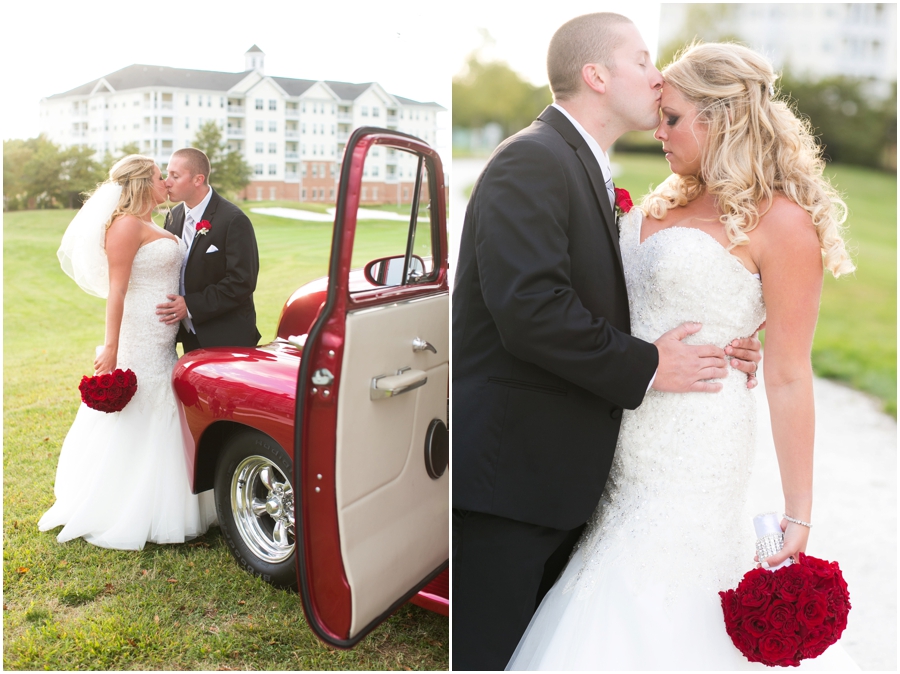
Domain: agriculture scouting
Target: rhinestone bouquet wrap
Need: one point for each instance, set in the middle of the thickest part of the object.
(108, 392)
(791, 614)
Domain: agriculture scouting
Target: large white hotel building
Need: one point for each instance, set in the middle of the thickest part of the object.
(291, 131)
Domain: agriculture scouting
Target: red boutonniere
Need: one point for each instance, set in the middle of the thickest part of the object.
(623, 202)
(203, 227)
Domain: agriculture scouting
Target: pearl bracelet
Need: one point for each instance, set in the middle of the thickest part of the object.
(800, 522)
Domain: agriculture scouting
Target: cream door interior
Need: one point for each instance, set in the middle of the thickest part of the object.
(392, 515)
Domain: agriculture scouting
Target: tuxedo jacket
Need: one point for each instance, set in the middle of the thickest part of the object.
(220, 275)
(543, 362)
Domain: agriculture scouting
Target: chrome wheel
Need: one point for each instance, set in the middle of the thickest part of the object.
(262, 504)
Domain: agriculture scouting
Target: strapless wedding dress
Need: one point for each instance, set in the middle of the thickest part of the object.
(641, 588)
(121, 479)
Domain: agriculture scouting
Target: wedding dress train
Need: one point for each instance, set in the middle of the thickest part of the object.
(641, 588)
(121, 479)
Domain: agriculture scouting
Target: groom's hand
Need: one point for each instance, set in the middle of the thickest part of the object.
(173, 311)
(684, 367)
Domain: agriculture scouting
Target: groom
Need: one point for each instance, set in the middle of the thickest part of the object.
(215, 303)
(543, 363)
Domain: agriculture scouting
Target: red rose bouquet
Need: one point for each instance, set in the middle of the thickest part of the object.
(784, 616)
(203, 227)
(108, 392)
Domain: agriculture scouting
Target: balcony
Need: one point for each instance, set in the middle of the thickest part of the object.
(291, 175)
(235, 109)
(291, 133)
(235, 132)
(345, 117)
(392, 119)
(292, 155)
(292, 113)
(166, 128)
(343, 136)
(166, 105)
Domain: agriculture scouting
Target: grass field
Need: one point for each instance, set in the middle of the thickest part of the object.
(856, 337)
(74, 606)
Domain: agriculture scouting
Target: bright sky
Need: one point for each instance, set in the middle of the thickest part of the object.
(51, 46)
(521, 32)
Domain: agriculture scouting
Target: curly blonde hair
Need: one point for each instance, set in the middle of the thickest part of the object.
(134, 173)
(756, 148)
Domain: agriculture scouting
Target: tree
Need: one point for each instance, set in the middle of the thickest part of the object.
(228, 173)
(492, 92)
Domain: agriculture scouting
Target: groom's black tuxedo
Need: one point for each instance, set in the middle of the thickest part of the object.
(220, 276)
(542, 358)
(543, 365)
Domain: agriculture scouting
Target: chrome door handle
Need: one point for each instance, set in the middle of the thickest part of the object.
(420, 344)
(389, 386)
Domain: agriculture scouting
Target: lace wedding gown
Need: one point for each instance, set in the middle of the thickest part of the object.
(121, 479)
(641, 588)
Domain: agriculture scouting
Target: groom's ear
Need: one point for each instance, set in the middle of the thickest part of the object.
(595, 76)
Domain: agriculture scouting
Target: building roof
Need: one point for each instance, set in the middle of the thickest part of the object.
(139, 76)
(254, 48)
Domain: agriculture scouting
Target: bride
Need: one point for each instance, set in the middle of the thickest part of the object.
(736, 235)
(121, 479)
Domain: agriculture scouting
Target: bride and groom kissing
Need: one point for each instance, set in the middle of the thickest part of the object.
(602, 442)
(192, 282)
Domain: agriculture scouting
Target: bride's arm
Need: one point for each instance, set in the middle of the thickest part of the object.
(790, 263)
(123, 238)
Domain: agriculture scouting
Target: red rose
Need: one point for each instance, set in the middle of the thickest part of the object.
(794, 581)
(782, 616)
(121, 377)
(114, 392)
(99, 394)
(779, 649)
(623, 200)
(745, 644)
(731, 607)
(812, 608)
(106, 380)
(755, 625)
(754, 598)
(203, 227)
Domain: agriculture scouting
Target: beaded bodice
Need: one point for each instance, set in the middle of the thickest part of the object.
(146, 345)
(672, 507)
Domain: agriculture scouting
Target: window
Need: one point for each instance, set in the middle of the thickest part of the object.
(209, 101)
(303, 107)
(364, 111)
(374, 193)
(365, 191)
(331, 194)
(259, 191)
(187, 123)
(273, 169)
(314, 129)
(258, 169)
(374, 172)
(273, 148)
(272, 193)
(303, 128)
(303, 169)
(273, 127)
(221, 101)
(273, 104)
(259, 104)
(259, 125)
(259, 148)
(332, 174)
(315, 170)
(375, 111)
(303, 194)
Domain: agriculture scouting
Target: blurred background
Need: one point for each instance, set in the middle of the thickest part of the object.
(838, 65)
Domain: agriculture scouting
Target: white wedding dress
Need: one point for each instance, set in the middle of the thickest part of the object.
(641, 588)
(121, 479)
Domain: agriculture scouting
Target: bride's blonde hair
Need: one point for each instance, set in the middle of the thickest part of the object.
(134, 173)
(756, 148)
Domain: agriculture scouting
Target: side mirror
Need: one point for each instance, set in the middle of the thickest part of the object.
(388, 271)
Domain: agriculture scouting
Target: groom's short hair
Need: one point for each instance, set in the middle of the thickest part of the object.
(196, 161)
(590, 38)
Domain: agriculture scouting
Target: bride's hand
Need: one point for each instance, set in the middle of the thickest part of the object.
(796, 537)
(106, 360)
(745, 356)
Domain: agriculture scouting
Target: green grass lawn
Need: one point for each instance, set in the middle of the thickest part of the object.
(856, 337)
(75, 606)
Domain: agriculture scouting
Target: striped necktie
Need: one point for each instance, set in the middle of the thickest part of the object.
(611, 191)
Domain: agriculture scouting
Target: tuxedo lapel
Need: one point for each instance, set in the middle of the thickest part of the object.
(576, 141)
(175, 220)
